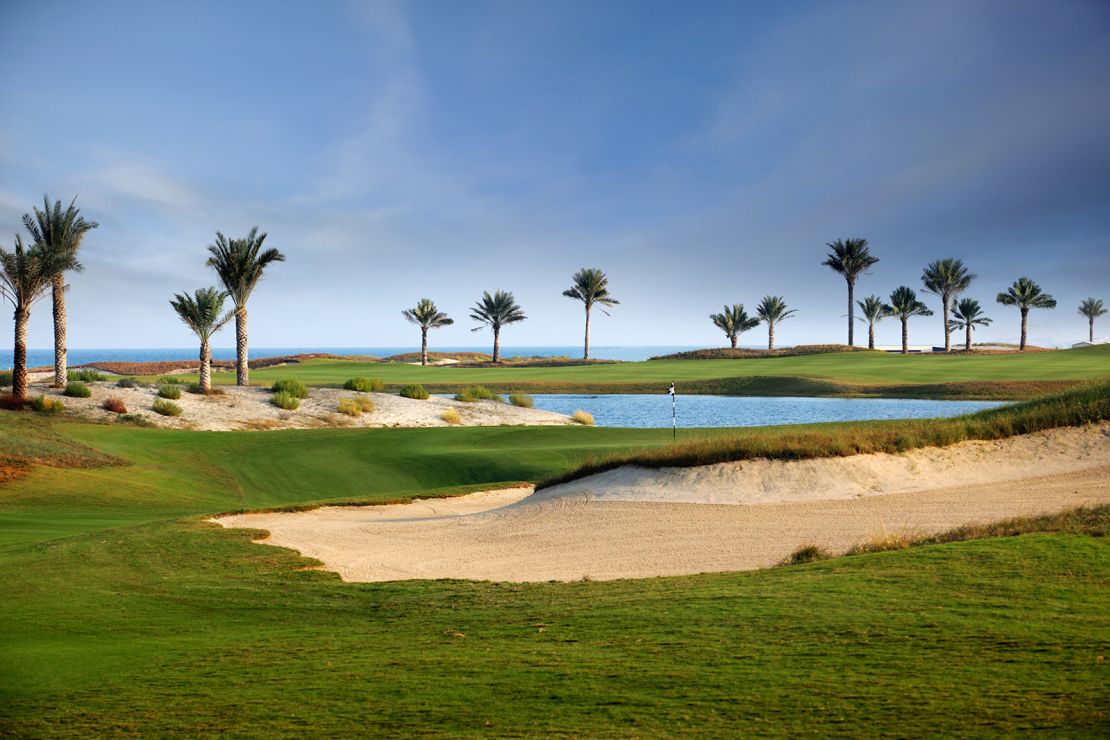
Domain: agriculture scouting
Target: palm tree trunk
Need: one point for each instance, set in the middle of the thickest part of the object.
(732, 338)
(60, 369)
(1024, 327)
(423, 346)
(905, 335)
(586, 346)
(1091, 334)
(770, 336)
(497, 344)
(947, 328)
(205, 367)
(870, 336)
(851, 313)
(242, 368)
(19, 358)
(967, 344)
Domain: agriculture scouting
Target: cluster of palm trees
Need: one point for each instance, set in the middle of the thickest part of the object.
(734, 319)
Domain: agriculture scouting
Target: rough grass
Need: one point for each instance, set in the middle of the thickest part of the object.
(86, 375)
(348, 406)
(364, 385)
(45, 405)
(523, 400)
(416, 391)
(807, 554)
(473, 393)
(165, 407)
(451, 417)
(170, 391)
(293, 387)
(285, 400)
(127, 383)
(77, 389)
(25, 438)
(585, 418)
(741, 353)
(1090, 403)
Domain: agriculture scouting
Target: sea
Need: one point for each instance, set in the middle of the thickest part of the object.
(42, 357)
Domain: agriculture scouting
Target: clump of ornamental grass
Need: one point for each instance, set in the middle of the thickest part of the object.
(285, 400)
(166, 407)
(115, 405)
(45, 405)
(172, 392)
(127, 383)
(884, 542)
(807, 554)
(364, 385)
(523, 400)
(354, 407)
(415, 390)
(451, 417)
(365, 403)
(473, 393)
(295, 388)
(86, 375)
(585, 418)
(77, 389)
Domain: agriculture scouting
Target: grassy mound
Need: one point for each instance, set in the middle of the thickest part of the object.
(743, 353)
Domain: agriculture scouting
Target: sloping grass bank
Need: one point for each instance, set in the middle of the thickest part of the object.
(1086, 404)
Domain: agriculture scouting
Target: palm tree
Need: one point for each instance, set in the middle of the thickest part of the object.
(946, 278)
(966, 315)
(850, 258)
(1091, 308)
(1025, 294)
(60, 232)
(904, 304)
(240, 263)
(590, 286)
(733, 321)
(497, 311)
(874, 311)
(25, 275)
(204, 314)
(426, 316)
(772, 309)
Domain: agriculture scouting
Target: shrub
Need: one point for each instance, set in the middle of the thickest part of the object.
(883, 541)
(9, 402)
(127, 383)
(451, 417)
(114, 405)
(365, 385)
(415, 390)
(294, 388)
(86, 375)
(348, 406)
(166, 408)
(807, 554)
(77, 389)
(521, 399)
(474, 393)
(585, 418)
(6, 378)
(47, 405)
(365, 404)
(170, 391)
(285, 400)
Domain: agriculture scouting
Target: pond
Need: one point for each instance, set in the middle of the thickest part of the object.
(654, 410)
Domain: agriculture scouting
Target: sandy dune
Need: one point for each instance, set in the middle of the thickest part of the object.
(634, 523)
(250, 408)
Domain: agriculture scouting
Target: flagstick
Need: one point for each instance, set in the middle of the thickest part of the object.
(674, 416)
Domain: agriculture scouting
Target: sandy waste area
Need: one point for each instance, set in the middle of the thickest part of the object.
(250, 408)
(634, 522)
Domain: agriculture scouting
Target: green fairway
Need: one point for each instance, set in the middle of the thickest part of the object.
(126, 612)
(846, 373)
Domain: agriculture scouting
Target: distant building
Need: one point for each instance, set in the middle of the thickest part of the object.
(1090, 344)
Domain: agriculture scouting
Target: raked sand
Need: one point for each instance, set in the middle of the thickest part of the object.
(632, 522)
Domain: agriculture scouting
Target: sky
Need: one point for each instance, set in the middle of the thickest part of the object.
(701, 153)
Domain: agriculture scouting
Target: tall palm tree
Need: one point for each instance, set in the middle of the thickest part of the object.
(25, 275)
(851, 258)
(1092, 308)
(240, 263)
(1025, 294)
(733, 321)
(60, 232)
(497, 311)
(204, 314)
(426, 316)
(590, 286)
(904, 305)
(966, 315)
(874, 311)
(772, 309)
(946, 278)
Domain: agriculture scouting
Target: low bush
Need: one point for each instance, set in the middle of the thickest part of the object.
(285, 400)
(172, 392)
(365, 403)
(473, 393)
(127, 383)
(114, 405)
(522, 400)
(86, 375)
(585, 418)
(77, 389)
(166, 408)
(294, 388)
(365, 385)
(807, 554)
(47, 405)
(415, 390)
(451, 417)
(212, 391)
(6, 378)
(348, 406)
(9, 402)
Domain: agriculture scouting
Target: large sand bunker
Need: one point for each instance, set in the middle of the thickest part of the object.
(633, 522)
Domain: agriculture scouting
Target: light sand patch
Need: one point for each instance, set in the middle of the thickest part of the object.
(604, 532)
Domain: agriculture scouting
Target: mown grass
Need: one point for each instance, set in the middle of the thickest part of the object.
(1087, 404)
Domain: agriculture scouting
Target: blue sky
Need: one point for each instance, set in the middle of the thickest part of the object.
(700, 153)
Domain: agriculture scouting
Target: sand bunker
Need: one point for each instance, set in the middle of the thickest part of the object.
(633, 523)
